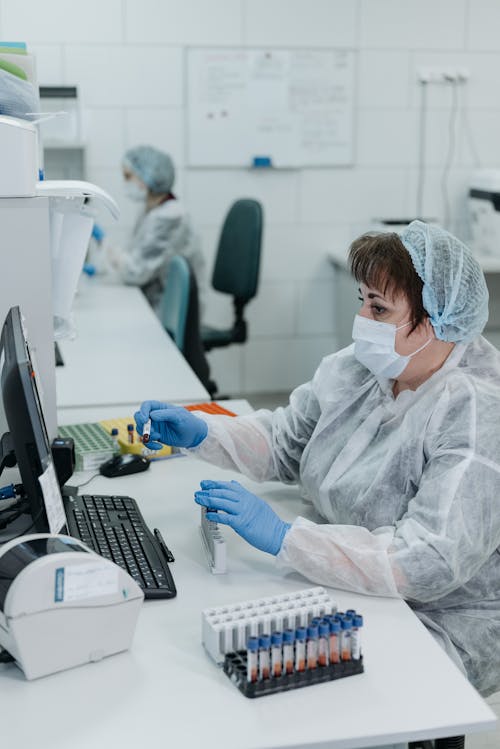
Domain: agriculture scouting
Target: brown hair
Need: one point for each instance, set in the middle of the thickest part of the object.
(382, 262)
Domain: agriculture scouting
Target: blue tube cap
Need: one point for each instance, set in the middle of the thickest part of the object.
(277, 638)
(357, 621)
(264, 641)
(335, 626)
(253, 643)
(312, 630)
(324, 629)
(288, 636)
(346, 623)
(300, 633)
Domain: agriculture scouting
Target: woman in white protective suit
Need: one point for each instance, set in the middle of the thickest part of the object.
(162, 229)
(395, 440)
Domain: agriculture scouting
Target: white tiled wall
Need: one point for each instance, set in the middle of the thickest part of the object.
(127, 58)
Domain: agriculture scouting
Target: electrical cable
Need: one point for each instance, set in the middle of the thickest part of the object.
(88, 480)
(468, 131)
(422, 132)
(25, 530)
(450, 154)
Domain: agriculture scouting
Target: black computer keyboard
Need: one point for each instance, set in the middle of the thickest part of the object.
(114, 527)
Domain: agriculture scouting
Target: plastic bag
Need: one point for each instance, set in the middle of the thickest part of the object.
(17, 97)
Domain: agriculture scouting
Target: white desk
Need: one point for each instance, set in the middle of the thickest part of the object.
(167, 692)
(121, 354)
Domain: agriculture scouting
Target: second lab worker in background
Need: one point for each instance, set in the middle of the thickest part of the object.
(162, 228)
(395, 441)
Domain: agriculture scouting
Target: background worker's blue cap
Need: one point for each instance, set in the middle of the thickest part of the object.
(154, 167)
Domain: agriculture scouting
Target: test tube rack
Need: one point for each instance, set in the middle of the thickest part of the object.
(213, 543)
(235, 666)
(226, 629)
(93, 445)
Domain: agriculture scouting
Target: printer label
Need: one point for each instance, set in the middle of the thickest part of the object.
(78, 582)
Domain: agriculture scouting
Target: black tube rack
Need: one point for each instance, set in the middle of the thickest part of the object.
(235, 667)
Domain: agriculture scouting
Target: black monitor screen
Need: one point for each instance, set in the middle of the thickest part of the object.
(23, 411)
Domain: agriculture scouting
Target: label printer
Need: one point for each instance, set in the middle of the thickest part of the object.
(62, 605)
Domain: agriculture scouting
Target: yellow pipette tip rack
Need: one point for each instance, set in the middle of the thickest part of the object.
(136, 447)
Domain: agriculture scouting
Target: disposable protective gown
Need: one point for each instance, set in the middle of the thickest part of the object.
(158, 235)
(409, 489)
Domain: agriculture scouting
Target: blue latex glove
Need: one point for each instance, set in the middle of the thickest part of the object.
(98, 233)
(89, 269)
(170, 425)
(247, 514)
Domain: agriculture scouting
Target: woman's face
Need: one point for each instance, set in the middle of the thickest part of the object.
(396, 311)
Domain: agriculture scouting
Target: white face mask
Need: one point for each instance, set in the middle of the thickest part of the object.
(375, 347)
(135, 191)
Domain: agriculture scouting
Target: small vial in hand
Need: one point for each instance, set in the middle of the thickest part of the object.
(146, 431)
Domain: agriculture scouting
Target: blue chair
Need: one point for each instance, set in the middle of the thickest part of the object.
(236, 268)
(180, 316)
(175, 300)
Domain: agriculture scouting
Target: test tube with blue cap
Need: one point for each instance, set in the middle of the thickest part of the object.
(357, 623)
(300, 648)
(288, 640)
(276, 654)
(252, 658)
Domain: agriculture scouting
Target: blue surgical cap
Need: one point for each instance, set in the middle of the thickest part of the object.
(454, 294)
(154, 167)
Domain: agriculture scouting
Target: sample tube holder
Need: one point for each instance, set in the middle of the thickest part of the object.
(235, 667)
(226, 629)
(213, 543)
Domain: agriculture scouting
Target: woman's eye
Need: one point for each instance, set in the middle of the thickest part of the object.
(378, 310)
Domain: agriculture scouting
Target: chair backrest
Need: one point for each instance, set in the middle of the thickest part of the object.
(236, 269)
(180, 315)
(175, 300)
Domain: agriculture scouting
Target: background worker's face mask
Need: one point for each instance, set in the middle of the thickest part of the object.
(375, 347)
(135, 191)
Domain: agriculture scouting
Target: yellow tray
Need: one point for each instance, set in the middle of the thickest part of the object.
(136, 446)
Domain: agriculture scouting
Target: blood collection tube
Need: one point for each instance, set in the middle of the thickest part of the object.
(114, 437)
(334, 641)
(351, 613)
(324, 643)
(312, 647)
(300, 648)
(357, 623)
(264, 665)
(252, 658)
(288, 640)
(146, 431)
(345, 638)
(130, 433)
(276, 654)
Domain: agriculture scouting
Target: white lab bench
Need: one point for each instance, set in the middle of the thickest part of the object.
(167, 692)
(121, 354)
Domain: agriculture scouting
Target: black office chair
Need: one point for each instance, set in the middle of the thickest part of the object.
(236, 268)
(180, 316)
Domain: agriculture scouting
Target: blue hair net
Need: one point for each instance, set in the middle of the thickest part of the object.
(454, 294)
(153, 166)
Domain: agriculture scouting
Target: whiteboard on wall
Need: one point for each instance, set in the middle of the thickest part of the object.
(292, 106)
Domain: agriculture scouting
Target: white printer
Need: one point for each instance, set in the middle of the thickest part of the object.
(62, 605)
(484, 211)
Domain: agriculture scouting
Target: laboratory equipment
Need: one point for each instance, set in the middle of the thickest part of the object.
(213, 543)
(61, 605)
(484, 211)
(225, 628)
(46, 226)
(113, 526)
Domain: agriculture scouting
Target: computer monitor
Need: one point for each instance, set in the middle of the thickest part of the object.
(26, 423)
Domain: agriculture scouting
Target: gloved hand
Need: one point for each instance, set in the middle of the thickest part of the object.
(171, 425)
(247, 514)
